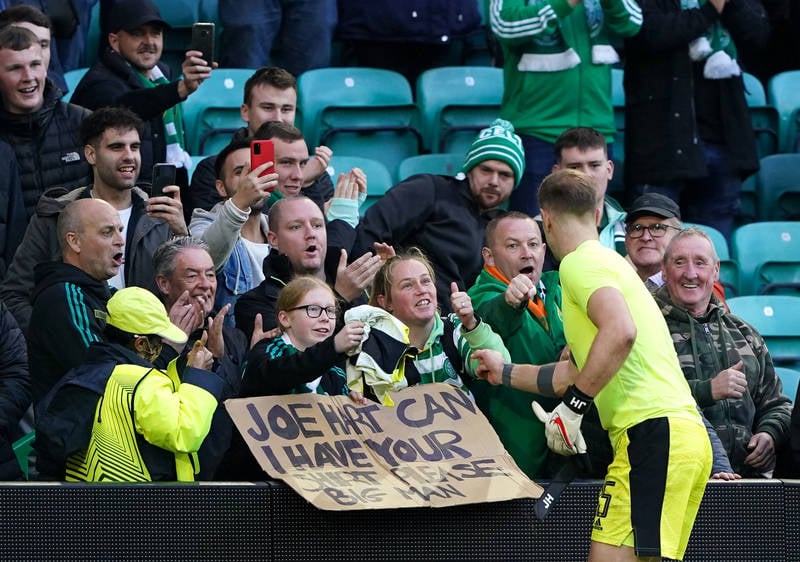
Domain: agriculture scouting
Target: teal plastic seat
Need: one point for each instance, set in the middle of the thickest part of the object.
(790, 380)
(365, 112)
(180, 15)
(379, 180)
(447, 164)
(211, 114)
(778, 189)
(728, 268)
(22, 449)
(748, 205)
(768, 254)
(455, 103)
(763, 117)
(618, 103)
(775, 317)
(783, 93)
(72, 77)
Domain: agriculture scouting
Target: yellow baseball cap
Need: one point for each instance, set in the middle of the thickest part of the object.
(138, 311)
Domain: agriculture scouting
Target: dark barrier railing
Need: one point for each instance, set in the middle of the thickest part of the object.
(746, 520)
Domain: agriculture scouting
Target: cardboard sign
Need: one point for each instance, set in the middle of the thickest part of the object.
(434, 448)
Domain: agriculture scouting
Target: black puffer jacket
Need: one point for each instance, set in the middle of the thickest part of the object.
(12, 211)
(112, 81)
(47, 146)
(15, 392)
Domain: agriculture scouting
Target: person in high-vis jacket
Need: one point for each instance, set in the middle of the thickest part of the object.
(117, 418)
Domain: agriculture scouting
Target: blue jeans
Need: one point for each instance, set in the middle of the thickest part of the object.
(712, 200)
(539, 161)
(293, 34)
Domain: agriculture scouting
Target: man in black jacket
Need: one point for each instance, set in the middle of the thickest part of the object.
(15, 392)
(69, 300)
(42, 130)
(129, 74)
(111, 144)
(187, 282)
(446, 216)
(688, 134)
(303, 244)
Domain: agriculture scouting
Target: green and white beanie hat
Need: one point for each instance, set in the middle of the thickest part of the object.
(497, 142)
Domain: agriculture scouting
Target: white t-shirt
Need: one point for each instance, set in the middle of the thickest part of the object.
(257, 252)
(118, 281)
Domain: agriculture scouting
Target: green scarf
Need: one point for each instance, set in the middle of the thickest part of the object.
(554, 54)
(715, 47)
(173, 122)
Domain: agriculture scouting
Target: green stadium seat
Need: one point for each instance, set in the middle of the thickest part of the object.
(447, 164)
(72, 77)
(775, 318)
(778, 189)
(365, 112)
(456, 102)
(768, 254)
(379, 180)
(211, 114)
(763, 117)
(180, 15)
(618, 103)
(790, 380)
(728, 268)
(22, 449)
(783, 93)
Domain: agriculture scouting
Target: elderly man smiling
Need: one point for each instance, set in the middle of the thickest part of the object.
(724, 359)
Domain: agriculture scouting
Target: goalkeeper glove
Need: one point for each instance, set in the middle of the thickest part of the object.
(562, 426)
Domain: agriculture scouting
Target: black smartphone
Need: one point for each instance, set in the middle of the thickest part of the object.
(163, 175)
(203, 40)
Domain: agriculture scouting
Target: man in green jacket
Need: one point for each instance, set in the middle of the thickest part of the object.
(557, 74)
(523, 306)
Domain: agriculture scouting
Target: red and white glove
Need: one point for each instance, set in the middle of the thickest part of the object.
(562, 426)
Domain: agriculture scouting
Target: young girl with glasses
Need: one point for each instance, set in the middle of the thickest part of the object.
(309, 354)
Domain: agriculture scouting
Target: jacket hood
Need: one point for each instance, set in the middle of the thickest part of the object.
(54, 200)
(52, 273)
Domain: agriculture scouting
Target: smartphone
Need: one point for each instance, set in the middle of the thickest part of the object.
(163, 175)
(203, 40)
(262, 151)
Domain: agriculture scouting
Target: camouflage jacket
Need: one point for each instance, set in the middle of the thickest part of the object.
(716, 341)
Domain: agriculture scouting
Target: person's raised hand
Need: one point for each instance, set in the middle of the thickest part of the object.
(729, 383)
(259, 333)
(169, 208)
(349, 337)
(200, 357)
(317, 165)
(490, 365)
(351, 280)
(216, 343)
(519, 291)
(462, 306)
(195, 69)
(253, 189)
(187, 314)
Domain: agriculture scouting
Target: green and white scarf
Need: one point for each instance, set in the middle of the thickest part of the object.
(173, 123)
(554, 54)
(715, 47)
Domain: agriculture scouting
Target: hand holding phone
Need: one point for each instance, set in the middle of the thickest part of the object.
(261, 152)
(203, 41)
(163, 175)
